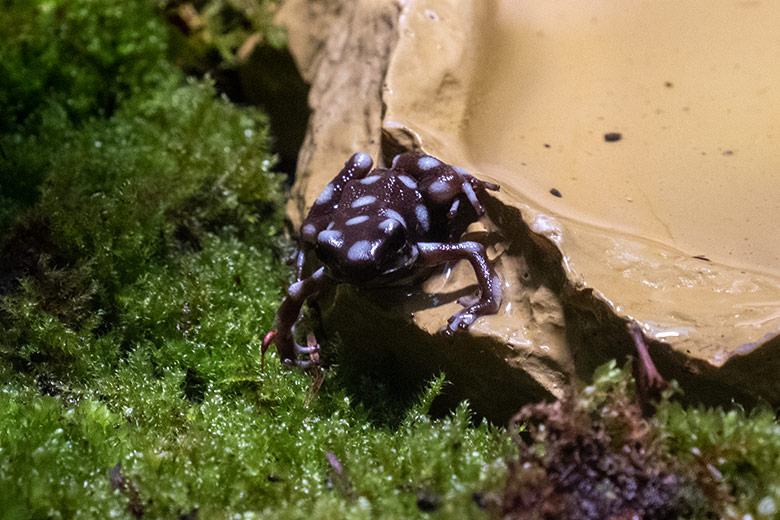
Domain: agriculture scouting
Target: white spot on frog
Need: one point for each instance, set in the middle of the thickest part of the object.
(308, 230)
(422, 216)
(295, 289)
(360, 250)
(371, 179)
(362, 160)
(326, 194)
(408, 181)
(388, 225)
(365, 200)
(439, 186)
(356, 220)
(427, 162)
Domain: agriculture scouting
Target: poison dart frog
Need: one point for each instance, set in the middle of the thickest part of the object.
(387, 227)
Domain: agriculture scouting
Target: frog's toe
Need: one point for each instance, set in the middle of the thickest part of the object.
(458, 322)
(305, 363)
(310, 352)
(311, 356)
(306, 349)
(468, 301)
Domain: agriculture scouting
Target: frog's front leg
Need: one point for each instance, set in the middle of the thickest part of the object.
(432, 254)
(287, 316)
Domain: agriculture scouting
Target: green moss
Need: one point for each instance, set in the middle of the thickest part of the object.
(86, 55)
(121, 198)
(738, 451)
(134, 293)
(71, 60)
(733, 454)
(52, 456)
(214, 31)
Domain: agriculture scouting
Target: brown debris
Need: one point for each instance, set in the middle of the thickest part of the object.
(600, 463)
(129, 488)
(649, 382)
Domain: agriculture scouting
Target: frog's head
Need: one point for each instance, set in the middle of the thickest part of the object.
(366, 248)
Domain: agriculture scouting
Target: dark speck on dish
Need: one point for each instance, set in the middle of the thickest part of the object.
(546, 145)
(728, 152)
(611, 137)
(555, 192)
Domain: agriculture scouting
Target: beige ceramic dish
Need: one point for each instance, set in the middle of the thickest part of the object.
(673, 225)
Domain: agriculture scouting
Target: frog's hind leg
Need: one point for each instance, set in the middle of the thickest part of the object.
(489, 299)
(443, 183)
(287, 316)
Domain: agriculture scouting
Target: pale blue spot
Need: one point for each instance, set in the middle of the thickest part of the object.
(388, 225)
(308, 230)
(295, 289)
(439, 187)
(408, 181)
(365, 200)
(422, 216)
(362, 160)
(427, 162)
(326, 194)
(356, 220)
(360, 250)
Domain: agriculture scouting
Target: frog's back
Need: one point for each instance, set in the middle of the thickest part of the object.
(385, 194)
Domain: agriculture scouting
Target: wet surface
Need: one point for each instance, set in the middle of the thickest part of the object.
(694, 91)
(636, 150)
(673, 223)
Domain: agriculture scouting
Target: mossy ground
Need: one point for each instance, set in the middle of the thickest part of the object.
(140, 226)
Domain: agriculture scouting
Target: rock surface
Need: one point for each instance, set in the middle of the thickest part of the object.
(524, 98)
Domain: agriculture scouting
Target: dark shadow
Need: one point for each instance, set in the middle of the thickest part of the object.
(270, 80)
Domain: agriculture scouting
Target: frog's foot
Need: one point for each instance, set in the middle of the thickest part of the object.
(458, 322)
(303, 355)
(489, 299)
(267, 341)
(286, 318)
(310, 350)
(464, 318)
(485, 185)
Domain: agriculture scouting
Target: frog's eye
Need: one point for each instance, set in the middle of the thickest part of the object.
(389, 225)
(395, 237)
(329, 244)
